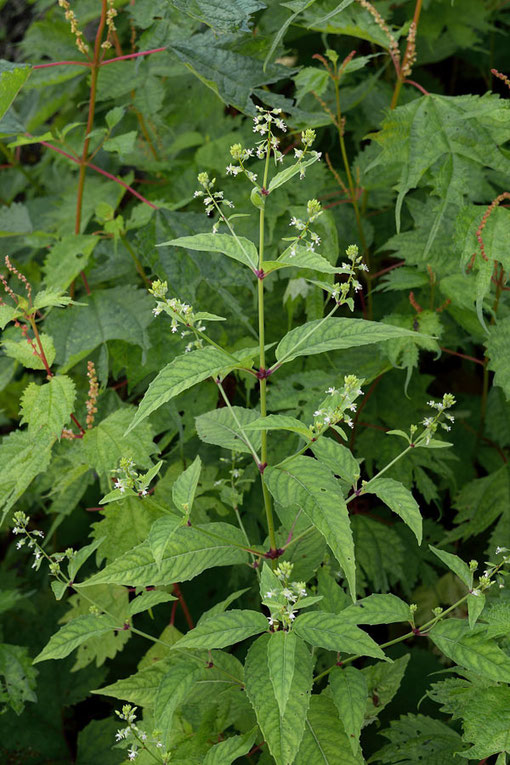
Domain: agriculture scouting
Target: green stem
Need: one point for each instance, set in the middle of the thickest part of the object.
(352, 190)
(136, 261)
(379, 474)
(262, 363)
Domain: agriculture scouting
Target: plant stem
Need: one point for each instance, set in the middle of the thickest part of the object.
(94, 69)
(352, 190)
(410, 49)
(262, 362)
(136, 260)
(240, 427)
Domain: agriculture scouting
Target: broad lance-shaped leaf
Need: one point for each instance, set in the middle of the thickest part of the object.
(173, 689)
(302, 258)
(282, 733)
(188, 553)
(149, 599)
(224, 629)
(141, 688)
(455, 564)
(238, 248)
(285, 175)
(471, 649)
(12, 79)
(400, 500)
(281, 651)
(183, 490)
(349, 689)
(334, 333)
(339, 459)
(162, 531)
(334, 633)
(219, 427)
(280, 422)
(226, 752)
(377, 608)
(182, 373)
(311, 486)
(74, 633)
(324, 740)
(48, 406)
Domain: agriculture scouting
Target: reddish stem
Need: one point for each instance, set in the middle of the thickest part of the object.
(183, 604)
(462, 356)
(132, 55)
(62, 63)
(390, 268)
(417, 85)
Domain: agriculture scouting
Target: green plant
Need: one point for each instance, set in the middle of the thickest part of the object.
(244, 409)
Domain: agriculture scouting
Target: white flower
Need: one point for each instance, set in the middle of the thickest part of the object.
(331, 390)
(269, 594)
(475, 592)
(271, 620)
(132, 754)
(499, 550)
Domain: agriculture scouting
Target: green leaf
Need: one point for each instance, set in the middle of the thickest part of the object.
(334, 633)
(51, 297)
(220, 428)
(182, 373)
(19, 678)
(172, 691)
(12, 79)
(297, 8)
(455, 564)
(349, 690)
(488, 734)
(231, 749)
(67, 259)
(222, 606)
(121, 144)
(23, 456)
(105, 444)
(400, 500)
(281, 651)
(285, 175)
(378, 609)
(148, 600)
(415, 738)
(475, 604)
(311, 486)
(471, 649)
(140, 688)
(23, 352)
(120, 313)
(81, 556)
(224, 629)
(332, 334)
(302, 258)
(339, 459)
(162, 530)
(238, 248)
(282, 733)
(48, 406)
(14, 220)
(383, 681)
(324, 740)
(183, 490)
(498, 343)
(279, 422)
(189, 552)
(73, 634)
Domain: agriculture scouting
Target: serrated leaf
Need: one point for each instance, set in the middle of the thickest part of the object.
(149, 599)
(73, 634)
(285, 175)
(455, 564)
(238, 248)
(231, 749)
(281, 650)
(279, 422)
(334, 633)
(224, 629)
(339, 459)
(48, 406)
(105, 444)
(311, 486)
(471, 649)
(140, 688)
(12, 78)
(324, 740)
(489, 734)
(22, 352)
(399, 499)
(67, 258)
(332, 334)
(121, 144)
(222, 606)
(162, 530)
(282, 734)
(220, 428)
(81, 556)
(349, 690)
(415, 738)
(188, 553)
(172, 691)
(383, 681)
(378, 608)
(182, 373)
(498, 343)
(183, 490)
(22, 457)
(19, 678)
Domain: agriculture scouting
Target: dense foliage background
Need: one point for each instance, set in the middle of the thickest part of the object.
(99, 165)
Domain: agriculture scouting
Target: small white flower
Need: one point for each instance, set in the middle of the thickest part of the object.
(271, 620)
(499, 550)
(269, 594)
(475, 592)
(132, 754)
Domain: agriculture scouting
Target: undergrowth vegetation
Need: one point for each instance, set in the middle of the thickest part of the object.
(255, 382)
